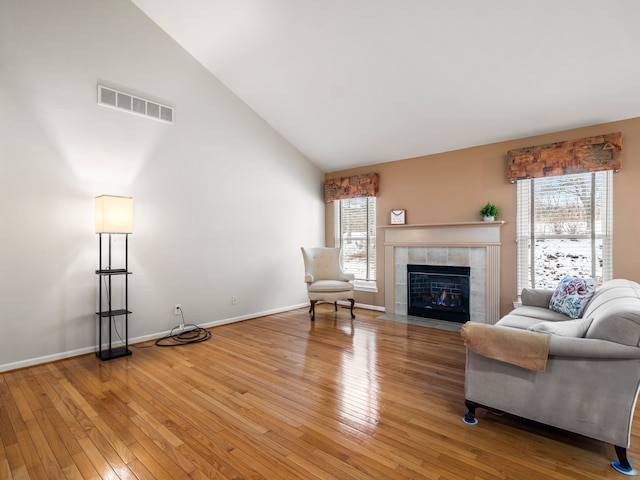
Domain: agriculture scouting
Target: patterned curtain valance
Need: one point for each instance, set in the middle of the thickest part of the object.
(351, 187)
(590, 154)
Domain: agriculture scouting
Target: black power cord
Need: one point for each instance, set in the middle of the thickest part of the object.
(184, 334)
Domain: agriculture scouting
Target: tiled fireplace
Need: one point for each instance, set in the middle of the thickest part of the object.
(438, 291)
(474, 244)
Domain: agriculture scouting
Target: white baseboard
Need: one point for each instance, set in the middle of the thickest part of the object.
(145, 338)
(29, 362)
(377, 308)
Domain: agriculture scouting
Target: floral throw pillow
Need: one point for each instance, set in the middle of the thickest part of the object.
(572, 295)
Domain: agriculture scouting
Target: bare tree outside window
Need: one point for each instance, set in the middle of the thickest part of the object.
(356, 233)
(564, 228)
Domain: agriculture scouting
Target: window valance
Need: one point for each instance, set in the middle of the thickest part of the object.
(591, 154)
(351, 187)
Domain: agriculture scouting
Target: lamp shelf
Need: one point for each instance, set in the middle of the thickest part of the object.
(113, 313)
(113, 271)
(108, 311)
(112, 353)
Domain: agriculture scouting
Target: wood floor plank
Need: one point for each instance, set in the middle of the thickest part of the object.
(5, 469)
(279, 397)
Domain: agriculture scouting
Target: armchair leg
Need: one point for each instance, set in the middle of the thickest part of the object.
(623, 465)
(312, 310)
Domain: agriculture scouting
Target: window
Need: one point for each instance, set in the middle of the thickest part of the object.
(355, 232)
(564, 227)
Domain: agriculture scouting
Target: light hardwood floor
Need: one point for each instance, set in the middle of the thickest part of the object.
(278, 397)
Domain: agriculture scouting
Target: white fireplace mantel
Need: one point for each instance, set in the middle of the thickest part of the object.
(474, 244)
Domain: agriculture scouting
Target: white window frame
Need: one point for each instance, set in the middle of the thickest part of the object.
(526, 235)
(366, 285)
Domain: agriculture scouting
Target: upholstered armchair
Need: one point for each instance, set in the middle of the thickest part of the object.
(325, 279)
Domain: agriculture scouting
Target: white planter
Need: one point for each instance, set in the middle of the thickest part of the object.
(488, 219)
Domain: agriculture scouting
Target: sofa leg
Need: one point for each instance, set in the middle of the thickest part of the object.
(352, 301)
(335, 306)
(470, 416)
(623, 465)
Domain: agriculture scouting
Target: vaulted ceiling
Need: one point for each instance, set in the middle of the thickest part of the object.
(358, 82)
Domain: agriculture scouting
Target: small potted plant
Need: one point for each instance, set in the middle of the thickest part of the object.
(489, 212)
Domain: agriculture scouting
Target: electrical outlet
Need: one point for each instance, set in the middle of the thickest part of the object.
(234, 300)
(177, 310)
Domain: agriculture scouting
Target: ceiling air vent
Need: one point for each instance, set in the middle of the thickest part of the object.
(110, 97)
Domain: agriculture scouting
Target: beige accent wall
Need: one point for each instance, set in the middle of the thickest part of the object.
(453, 186)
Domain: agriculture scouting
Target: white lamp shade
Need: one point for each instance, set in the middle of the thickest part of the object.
(114, 214)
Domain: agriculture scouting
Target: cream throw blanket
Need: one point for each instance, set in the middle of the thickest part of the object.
(518, 347)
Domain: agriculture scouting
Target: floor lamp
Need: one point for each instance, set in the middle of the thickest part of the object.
(113, 216)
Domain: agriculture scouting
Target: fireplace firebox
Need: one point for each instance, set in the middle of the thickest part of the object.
(439, 292)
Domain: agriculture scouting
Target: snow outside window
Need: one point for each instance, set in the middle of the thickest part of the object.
(355, 232)
(564, 227)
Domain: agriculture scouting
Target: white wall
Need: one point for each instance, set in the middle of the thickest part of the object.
(221, 202)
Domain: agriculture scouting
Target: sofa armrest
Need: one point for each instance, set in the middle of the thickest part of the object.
(536, 297)
(308, 278)
(591, 348)
(511, 345)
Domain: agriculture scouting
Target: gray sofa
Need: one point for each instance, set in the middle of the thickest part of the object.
(589, 379)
